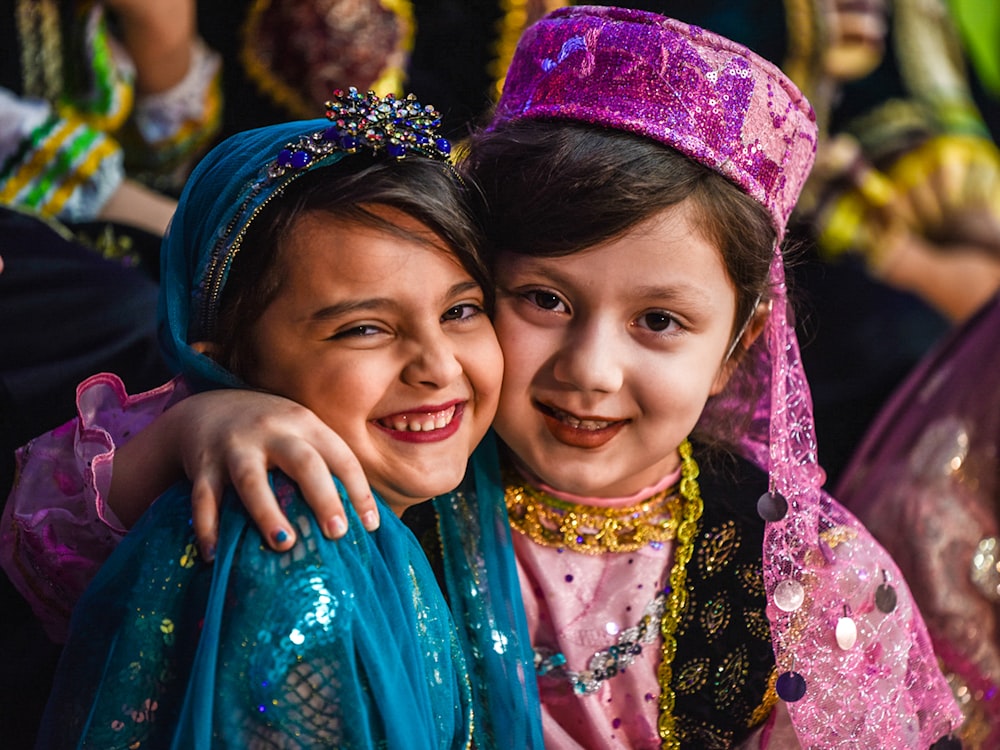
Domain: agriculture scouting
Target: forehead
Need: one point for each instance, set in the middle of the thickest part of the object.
(669, 246)
(333, 254)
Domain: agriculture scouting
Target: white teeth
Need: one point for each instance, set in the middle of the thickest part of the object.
(581, 424)
(420, 422)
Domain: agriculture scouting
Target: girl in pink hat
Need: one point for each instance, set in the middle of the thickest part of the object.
(687, 581)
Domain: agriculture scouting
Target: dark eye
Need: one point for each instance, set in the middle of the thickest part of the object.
(357, 332)
(657, 321)
(462, 312)
(544, 300)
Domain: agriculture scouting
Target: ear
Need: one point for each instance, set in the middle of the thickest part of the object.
(751, 331)
(209, 348)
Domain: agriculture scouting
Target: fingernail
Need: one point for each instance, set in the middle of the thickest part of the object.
(338, 527)
(280, 536)
(370, 520)
(209, 553)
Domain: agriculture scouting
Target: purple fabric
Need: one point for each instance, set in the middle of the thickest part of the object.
(926, 481)
(57, 529)
(689, 88)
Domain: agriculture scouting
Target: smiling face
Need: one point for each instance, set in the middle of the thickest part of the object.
(385, 338)
(611, 354)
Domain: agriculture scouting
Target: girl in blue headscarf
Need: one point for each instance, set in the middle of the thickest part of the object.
(332, 262)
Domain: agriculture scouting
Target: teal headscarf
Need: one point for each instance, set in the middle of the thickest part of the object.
(342, 644)
(224, 193)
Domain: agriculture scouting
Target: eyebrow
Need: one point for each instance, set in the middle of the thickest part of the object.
(681, 292)
(368, 304)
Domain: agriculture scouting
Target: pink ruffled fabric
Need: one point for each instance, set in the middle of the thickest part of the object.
(57, 528)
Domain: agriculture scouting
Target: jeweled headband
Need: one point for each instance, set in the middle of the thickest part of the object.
(683, 86)
(391, 127)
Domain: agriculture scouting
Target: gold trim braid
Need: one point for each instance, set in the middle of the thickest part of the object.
(677, 601)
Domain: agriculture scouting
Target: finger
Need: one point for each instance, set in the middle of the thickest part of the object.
(249, 478)
(206, 497)
(309, 471)
(342, 462)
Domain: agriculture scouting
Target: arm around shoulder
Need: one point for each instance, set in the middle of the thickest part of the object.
(57, 526)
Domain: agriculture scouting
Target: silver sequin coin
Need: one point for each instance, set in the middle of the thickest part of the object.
(789, 595)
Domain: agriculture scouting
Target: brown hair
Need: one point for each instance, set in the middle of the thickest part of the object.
(555, 188)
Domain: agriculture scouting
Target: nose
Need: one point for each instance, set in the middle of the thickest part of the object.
(433, 360)
(591, 358)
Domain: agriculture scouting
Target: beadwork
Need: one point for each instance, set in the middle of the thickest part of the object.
(608, 662)
(397, 127)
(551, 522)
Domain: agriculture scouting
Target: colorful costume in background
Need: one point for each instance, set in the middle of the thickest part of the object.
(72, 124)
(348, 643)
(926, 482)
(739, 602)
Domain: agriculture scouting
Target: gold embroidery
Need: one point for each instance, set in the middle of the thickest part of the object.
(693, 676)
(718, 548)
(687, 528)
(767, 703)
(715, 617)
(732, 676)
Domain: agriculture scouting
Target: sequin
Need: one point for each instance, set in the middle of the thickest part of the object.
(846, 633)
(941, 449)
(772, 506)
(885, 598)
(985, 569)
(789, 595)
(791, 686)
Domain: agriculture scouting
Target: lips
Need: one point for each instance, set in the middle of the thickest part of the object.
(579, 432)
(423, 426)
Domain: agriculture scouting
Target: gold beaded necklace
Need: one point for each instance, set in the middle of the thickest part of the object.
(551, 522)
(666, 515)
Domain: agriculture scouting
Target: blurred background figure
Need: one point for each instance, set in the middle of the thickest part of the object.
(926, 482)
(102, 105)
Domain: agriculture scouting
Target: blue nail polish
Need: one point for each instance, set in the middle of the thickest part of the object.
(281, 536)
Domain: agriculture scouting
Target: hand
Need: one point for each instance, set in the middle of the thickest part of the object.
(234, 437)
(239, 435)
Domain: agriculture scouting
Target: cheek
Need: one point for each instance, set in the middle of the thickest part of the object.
(483, 363)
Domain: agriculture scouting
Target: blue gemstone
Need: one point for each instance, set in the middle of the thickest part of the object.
(443, 145)
(348, 142)
(284, 157)
(396, 149)
(300, 159)
(791, 686)
(332, 133)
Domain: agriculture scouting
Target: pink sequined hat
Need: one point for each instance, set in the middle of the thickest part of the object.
(689, 88)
